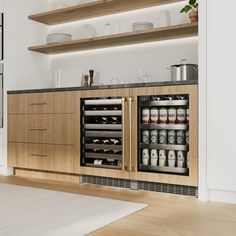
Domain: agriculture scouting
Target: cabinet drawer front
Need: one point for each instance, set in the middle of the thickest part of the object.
(32, 156)
(59, 102)
(40, 156)
(63, 158)
(30, 128)
(41, 128)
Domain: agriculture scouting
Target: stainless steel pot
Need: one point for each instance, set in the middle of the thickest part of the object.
(184, 71)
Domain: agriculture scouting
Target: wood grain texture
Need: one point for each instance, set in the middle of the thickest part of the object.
(168, 215)
(59, 102)
(152, 35)
(44, 124)
(192, 179)
(46, 176)
(94, 9)
(64, 129)
(57, 158)
(41, 128)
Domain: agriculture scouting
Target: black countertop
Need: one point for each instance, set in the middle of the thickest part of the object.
(116, 86)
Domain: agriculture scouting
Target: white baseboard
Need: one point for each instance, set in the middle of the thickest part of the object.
(222, 196)
(6, 171)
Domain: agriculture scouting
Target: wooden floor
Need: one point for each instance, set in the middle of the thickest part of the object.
(166, 215)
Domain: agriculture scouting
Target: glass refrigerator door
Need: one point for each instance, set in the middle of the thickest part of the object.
(163, 134)
(102, 132)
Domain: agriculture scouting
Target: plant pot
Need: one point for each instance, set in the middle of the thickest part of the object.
(193, 16)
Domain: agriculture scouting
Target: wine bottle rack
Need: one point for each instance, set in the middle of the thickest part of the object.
(102, 131)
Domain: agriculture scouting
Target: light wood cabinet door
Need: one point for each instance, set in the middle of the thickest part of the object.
(42, 103)
(40, 156)
(135, 174)
(63, 158)
(30, 156)
(17, 155)
(41, 128)
(58, 158)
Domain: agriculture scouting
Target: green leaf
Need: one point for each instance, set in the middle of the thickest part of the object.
(186, 9)
(192, 2)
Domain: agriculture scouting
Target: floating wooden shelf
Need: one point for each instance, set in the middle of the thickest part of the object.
(94, 9)
(164, 33)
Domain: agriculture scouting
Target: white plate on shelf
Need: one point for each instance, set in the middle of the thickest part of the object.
(138, 26)
(86, 32)
(58, 38)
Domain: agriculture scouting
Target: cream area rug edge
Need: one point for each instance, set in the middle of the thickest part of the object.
(39, 212)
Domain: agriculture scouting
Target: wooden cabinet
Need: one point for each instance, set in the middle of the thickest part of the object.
(41, 156)
(41, 128)
(41, 131)
(131, 115)
(46, 132)
(41, 103)
(191, 178)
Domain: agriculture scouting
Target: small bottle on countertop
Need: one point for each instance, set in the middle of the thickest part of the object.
(91, 75)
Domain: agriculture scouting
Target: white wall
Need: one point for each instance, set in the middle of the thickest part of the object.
(125, 63)
(221, 125)
(22, 69)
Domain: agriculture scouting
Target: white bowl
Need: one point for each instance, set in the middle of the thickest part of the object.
(58, 38)
(86, 32)
(142, 26)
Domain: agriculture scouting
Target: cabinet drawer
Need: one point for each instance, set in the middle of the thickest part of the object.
(41, 128)
(58, 158)
(31, 156)
(58, 102)
(63, 158)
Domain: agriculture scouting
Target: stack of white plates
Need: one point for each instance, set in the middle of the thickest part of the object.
(58, 38)
(142, 26)
(86, 32)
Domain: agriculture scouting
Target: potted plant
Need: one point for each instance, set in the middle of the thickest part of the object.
(192, 6)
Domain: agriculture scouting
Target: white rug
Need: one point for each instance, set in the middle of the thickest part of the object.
(28, 211)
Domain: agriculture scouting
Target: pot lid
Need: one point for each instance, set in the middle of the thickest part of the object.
(179, 65)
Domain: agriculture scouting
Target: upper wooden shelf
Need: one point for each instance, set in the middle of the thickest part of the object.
(158, 34)
(94, 9)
